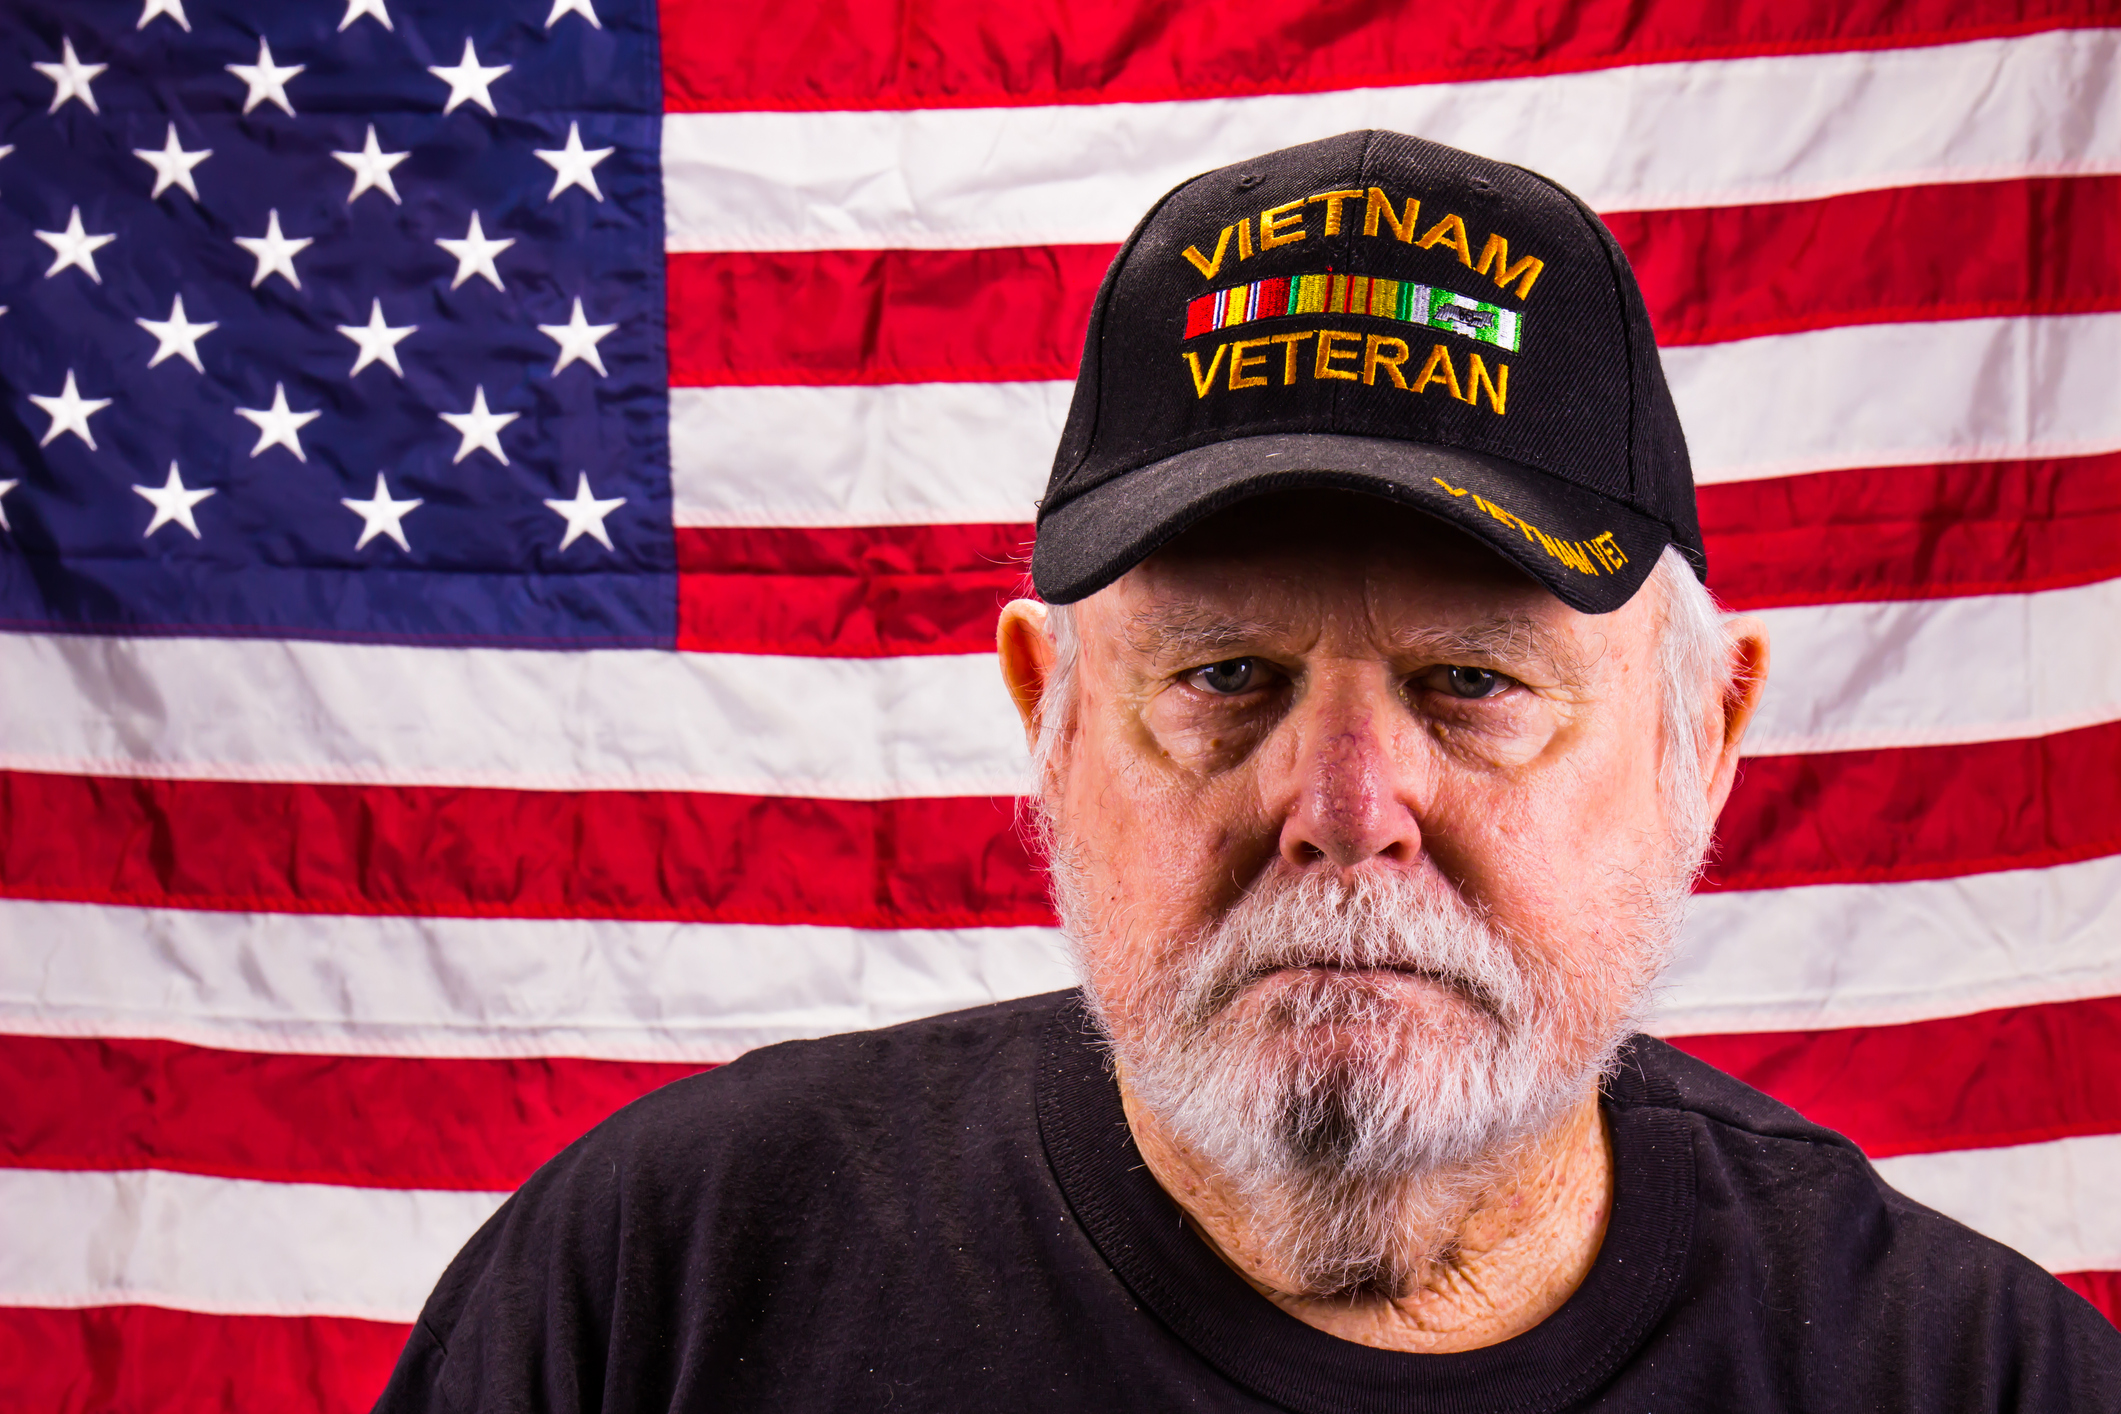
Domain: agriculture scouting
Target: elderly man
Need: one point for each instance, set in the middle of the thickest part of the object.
(1379, 716)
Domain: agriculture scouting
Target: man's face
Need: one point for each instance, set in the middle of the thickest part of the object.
(1360, 835)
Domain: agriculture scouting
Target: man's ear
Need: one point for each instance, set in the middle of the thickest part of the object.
(1746, 648)
(1027, 654)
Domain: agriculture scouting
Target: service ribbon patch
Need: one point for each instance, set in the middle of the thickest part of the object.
(1402, 300)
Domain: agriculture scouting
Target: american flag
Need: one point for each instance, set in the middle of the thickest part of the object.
(505, 507)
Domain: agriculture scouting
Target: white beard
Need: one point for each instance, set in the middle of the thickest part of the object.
(1360, 1121)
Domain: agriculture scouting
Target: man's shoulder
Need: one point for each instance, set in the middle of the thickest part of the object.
(1658, 1072)
(1803, 1206)
(855, 1088)
(1769, 1150)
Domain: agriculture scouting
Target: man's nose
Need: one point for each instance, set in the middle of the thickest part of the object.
(1349, 796)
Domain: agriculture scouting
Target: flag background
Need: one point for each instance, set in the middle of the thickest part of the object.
(330, 913)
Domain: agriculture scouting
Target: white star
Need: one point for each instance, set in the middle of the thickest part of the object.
(377, 341)
(172, 8)
(573, 165)
(172, 502)
(173, 164)
(70, 412)
(371, 168)
(175, 335)
(278, 425)
(357, 8)
(70, 78)
(479, 429)
(475, 254)
(275, 253)
(74, 246)
(578, 339)
(585, 514)
(5, 487)
(467, 80)
(382, 516)
(576, 7)
(268, 81)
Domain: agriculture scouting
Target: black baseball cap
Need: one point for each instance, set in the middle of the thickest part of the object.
(1381, 314)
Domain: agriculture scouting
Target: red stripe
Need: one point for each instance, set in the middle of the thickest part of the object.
(891, 316)
(1200, 316)
(145, 1360)
(1914, 532)
(2102, 1289)
(2048, 246)
(301, 848)
(816, 54)
(2020, 1076)
(1829, 818)
(2025, 1075)
(1933, 812)
(848, 592)
(383, 1122)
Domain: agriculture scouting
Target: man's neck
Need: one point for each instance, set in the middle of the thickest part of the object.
(1510, 1263)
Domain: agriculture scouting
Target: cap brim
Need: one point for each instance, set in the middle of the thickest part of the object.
(1593, 553)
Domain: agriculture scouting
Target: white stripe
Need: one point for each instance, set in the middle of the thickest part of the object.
(900, 454)
(1899, 395)
(360, 985)
(2055, 1202)
(1712, 133)
(227, 1246)
(1881, 954)
(240, 1247)
(1856, 396)
(261, 709)
(1846, 677)
(1843, 676)
(1844, 955)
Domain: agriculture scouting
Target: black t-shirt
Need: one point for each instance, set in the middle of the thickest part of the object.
(952, 1215)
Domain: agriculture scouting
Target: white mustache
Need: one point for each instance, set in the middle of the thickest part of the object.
(1374, 922)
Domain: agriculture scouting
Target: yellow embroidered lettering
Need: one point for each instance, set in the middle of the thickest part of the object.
(1450, 231)
(1328, 350)
(1498, 386)
(1379, 208)
(1497, 253)
(1438, 370)
(1578, 555)
(1202, 263)
(1386, 353)
(1334, 201)
(1202, 382)
(1274, 224)
(1288, 363)
(1242, 363)
(1244, 239)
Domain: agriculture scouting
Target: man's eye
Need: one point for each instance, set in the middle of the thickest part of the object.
(1228, 679)
(1466, 682)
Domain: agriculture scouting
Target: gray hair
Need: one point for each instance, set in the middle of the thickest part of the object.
(1693, 660)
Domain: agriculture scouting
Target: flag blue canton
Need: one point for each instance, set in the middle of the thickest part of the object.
(414, 287)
